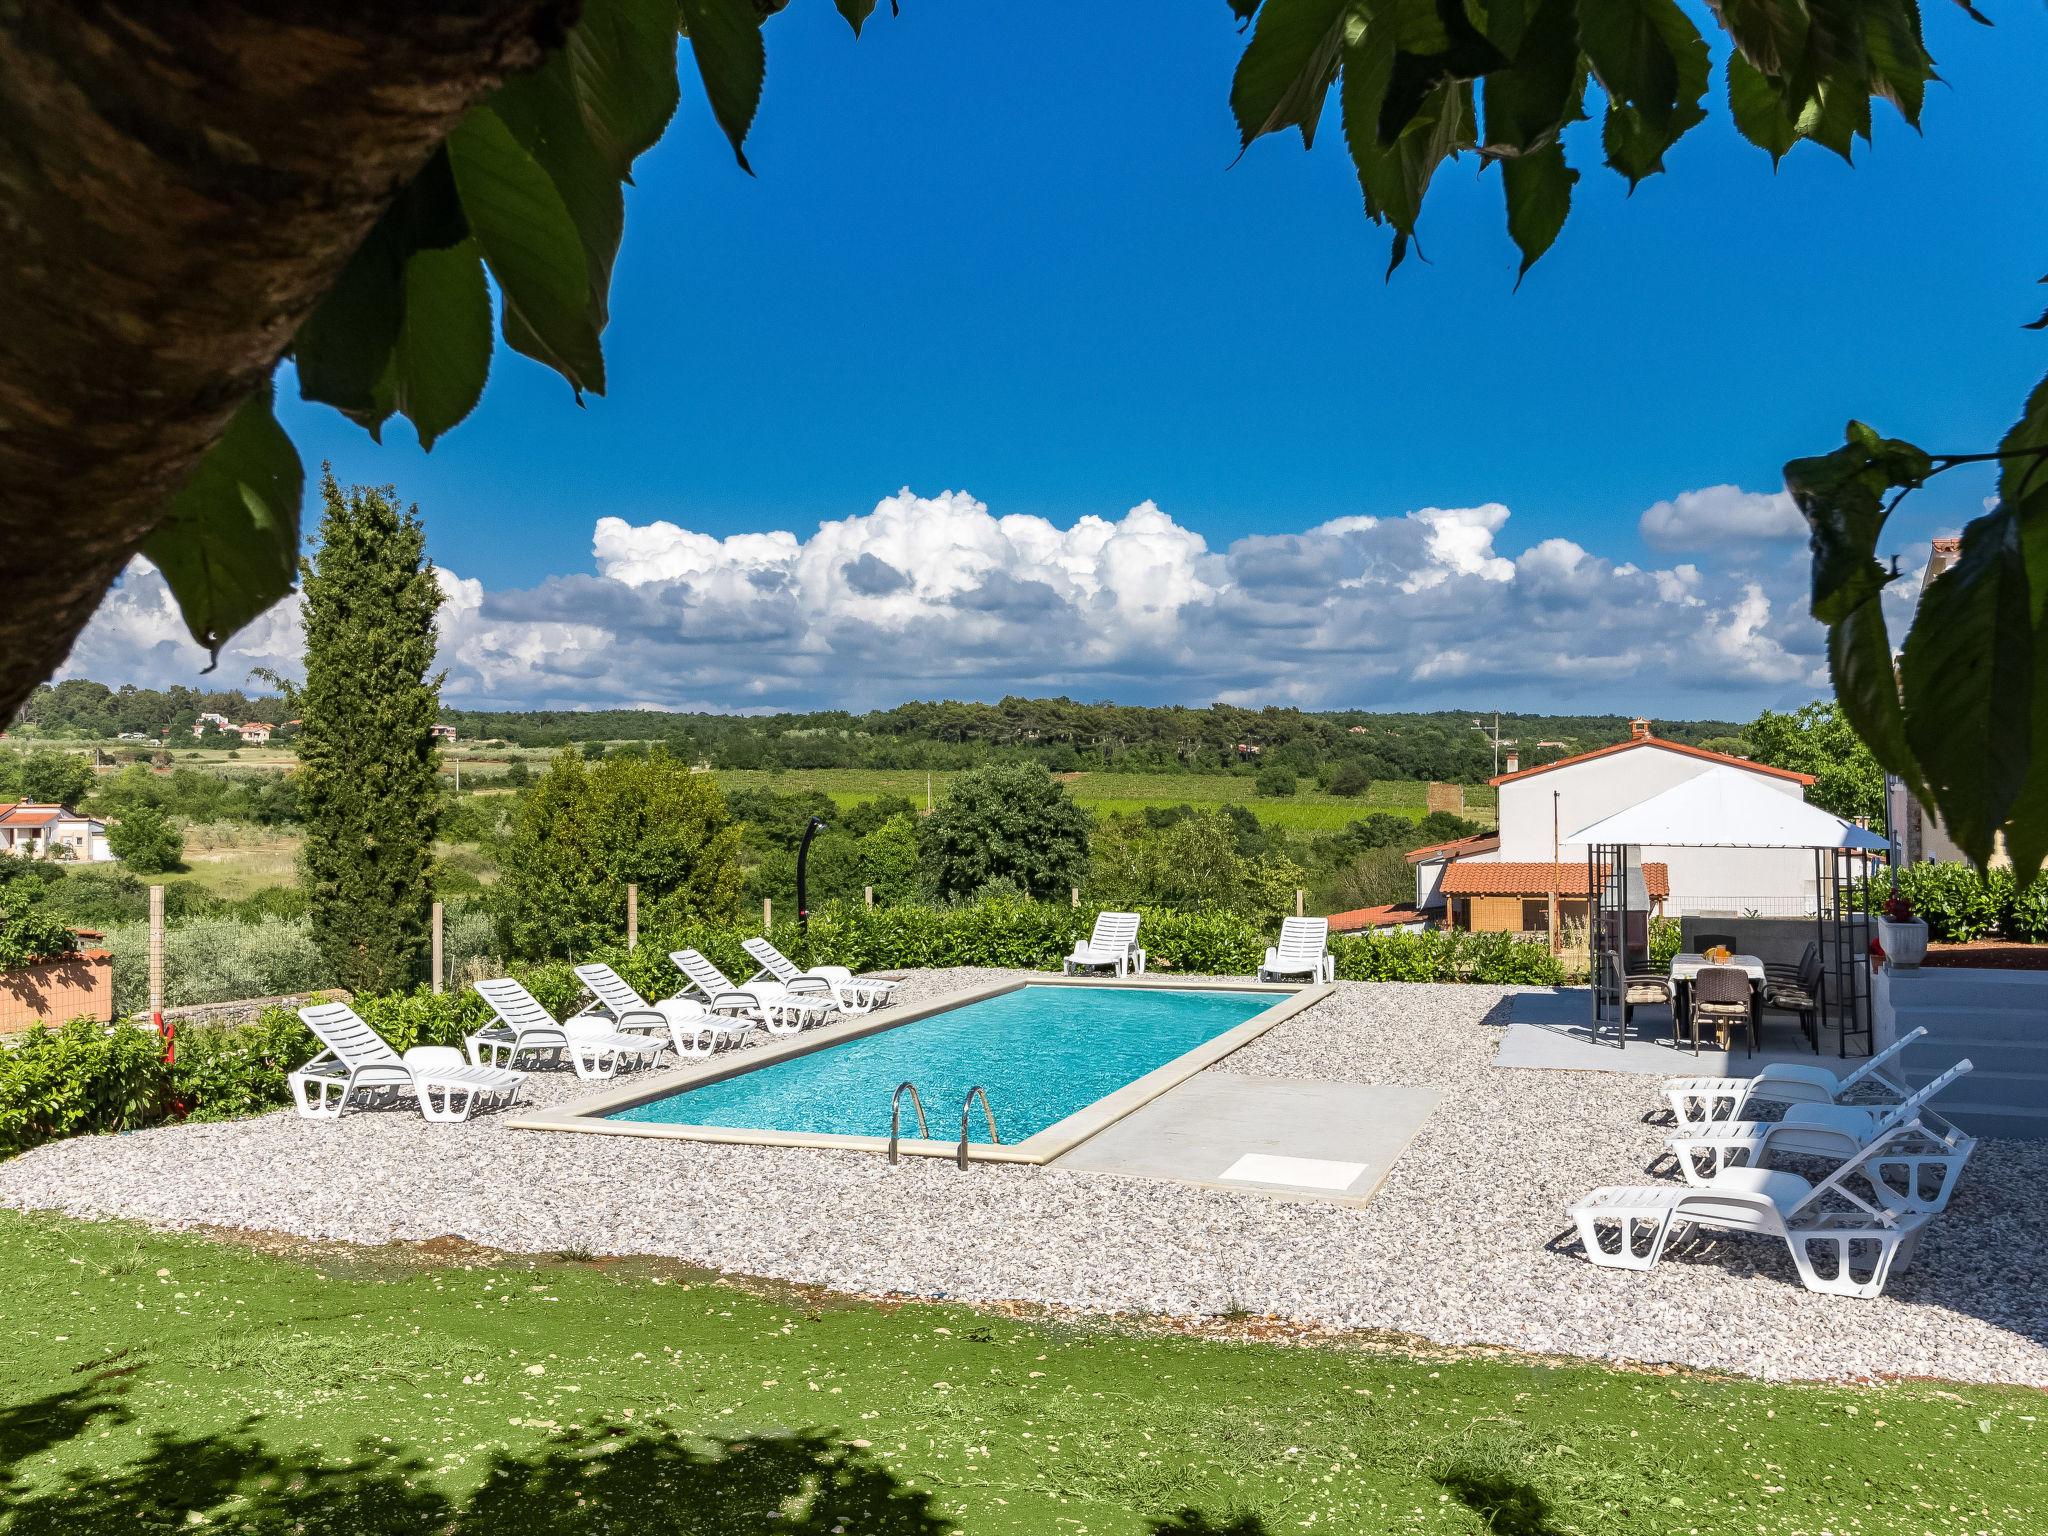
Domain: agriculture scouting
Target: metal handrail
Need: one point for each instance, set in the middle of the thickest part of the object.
(896, 1114)
(966, 1108)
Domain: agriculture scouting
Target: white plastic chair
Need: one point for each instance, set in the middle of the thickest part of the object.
(357, 1059)
(594, 1048)
(693, 1031)
(1918, 1141)
(1112, 946)
(769, 1003)
(850, 994)
(1303, 950)
(1698, 1101)
(1842, 1243)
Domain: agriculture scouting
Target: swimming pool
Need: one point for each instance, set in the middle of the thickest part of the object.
(1058, 1059)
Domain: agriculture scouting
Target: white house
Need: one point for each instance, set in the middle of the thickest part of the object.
(50, 831)
(1503, 880)
(255, 733)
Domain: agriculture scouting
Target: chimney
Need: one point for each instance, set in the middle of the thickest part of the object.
(1639, 729)
(1513, 763)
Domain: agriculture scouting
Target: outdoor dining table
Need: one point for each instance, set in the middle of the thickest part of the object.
(1684, 967)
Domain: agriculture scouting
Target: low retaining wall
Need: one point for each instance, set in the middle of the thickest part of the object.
(58, 991)
(250, 1009)
(1999, 1019)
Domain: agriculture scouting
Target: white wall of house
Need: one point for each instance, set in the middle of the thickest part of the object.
(1768, 881)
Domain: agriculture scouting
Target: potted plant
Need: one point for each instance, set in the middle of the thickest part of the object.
(1903, 935)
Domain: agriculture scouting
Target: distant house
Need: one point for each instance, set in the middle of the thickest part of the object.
(50, 831)
(1357, 730)
(1249, 749)
(255, 733)
(1502, 881)
(209, 718)
(444, 733)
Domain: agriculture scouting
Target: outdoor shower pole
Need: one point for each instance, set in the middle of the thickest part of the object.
(803, 853)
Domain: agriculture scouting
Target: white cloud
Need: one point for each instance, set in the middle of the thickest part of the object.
(1719, 514)
(939, 595)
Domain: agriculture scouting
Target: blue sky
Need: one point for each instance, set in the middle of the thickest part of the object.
(1013, 258)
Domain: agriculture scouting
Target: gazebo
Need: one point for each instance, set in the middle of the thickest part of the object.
(1726, 808)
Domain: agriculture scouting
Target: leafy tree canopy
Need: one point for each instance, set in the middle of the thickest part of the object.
(146, 842)
(1009, 823)
(1819, 740)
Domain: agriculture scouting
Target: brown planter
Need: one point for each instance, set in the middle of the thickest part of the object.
(57, 991)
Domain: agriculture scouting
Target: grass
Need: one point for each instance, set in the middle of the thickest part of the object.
(155, 1383)
(1306, 810)
(233, 859)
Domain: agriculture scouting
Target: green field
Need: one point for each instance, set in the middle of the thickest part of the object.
(1305, 810)
(158, 1384)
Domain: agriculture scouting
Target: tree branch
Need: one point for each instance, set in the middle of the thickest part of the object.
(179, 185)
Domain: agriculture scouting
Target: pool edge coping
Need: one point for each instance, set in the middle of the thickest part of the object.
(585, 1115)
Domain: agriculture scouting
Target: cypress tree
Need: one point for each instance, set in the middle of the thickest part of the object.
(368, 771)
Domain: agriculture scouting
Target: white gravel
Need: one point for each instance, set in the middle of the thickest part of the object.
(1456, 1249)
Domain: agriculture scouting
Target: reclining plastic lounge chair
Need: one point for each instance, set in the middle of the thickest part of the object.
(1697, 1101)
(1921, 1142)
(693, 1030)
(768, 1003)
(594, 1048)
(1112, 946)
(359, 1060)
(850, 993)
(1303, 950)
(1842, 1243)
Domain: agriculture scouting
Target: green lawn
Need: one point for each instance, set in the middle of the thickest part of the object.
(1306, 810)
(158, 1384)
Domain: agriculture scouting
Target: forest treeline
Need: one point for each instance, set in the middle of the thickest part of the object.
(1063, 734)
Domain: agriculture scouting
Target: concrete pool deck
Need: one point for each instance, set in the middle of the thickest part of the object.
(1552, 1029)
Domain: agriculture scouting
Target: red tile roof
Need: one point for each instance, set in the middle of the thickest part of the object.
(24, 814)
(1668, 746)
(1359, 919)
(1471, 878)
(1478, 842)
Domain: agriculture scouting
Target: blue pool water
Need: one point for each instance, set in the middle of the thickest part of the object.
(1041, 1052)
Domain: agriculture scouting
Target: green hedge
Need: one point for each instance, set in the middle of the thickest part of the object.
(1960, 904)
(85, 1078)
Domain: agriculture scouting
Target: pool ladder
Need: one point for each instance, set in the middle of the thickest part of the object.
(924, 1130)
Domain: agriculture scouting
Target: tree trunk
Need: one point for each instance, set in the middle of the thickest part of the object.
(179, 185)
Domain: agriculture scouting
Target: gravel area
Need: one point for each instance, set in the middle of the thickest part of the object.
(1457, 1248)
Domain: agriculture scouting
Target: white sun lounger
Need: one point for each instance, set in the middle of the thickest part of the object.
(850, 994)
(1112, 946)
(1920, 1142)
(769, 1003)
(359, 1060)
(1697, 1101)
(595, 1049)
(693, 1030)
(1842, 1243)
(1303, 950)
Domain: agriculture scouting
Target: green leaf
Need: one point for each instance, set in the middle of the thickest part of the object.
(1841, 495)
(2026, 835)
(1769, 34)
(1900, 66)
(533, 247)
(1653, 64)
(621, 59)
(547, 119)
(1504, 23)
(1968, 675)
(228, 543)
(2023, 487)
(1539, 193)
(1867, 688)
(443, 353)
(1288, 67)
(857, 12)
(725, 39)
(1759, 114)
(1529, 102)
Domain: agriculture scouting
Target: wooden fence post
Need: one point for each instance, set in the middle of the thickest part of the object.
(440, 950)
(868, 892)
(767, 915)
(1074, 895)
(1300, 902)
(156, 949)
(632, 914)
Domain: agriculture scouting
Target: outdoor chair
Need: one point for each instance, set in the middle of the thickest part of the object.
(1707, 1100)
(1919, 1143)
(521, 1023)
(850, 994)
(1721, 997)
(1112, 946)
(1798, 989)
(1630, 990)
(768, 1003)
(693, 1030)
(1303, 950)
(1843, 1243)
(357, 1059)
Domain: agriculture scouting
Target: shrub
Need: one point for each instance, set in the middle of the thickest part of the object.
(1958, 903)
(1275, 781)
(1350, 779)
(27, 933)
(217, 960)
(79, 1079)
(146, 842)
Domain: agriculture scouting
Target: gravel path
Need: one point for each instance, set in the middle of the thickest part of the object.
(1456, 1248)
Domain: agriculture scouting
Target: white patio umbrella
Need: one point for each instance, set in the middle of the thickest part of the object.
(1727, 808)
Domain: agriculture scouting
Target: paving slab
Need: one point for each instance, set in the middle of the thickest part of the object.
(1287, 1136)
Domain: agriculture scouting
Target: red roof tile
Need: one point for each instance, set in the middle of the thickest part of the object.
(1472, 878)
(1668, 746)
(1478, 842)
(1359, 919)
